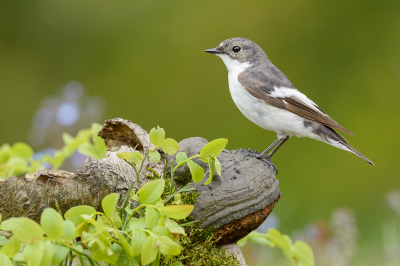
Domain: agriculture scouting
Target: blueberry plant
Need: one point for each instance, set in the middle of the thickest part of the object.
(145, 234)
(143, 228)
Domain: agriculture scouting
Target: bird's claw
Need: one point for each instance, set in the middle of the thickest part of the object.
(253, 153)
(267, 159)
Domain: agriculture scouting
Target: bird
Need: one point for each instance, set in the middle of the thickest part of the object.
(266, 97)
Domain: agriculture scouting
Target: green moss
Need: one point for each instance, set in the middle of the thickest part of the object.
(199, 248)
(155, 174)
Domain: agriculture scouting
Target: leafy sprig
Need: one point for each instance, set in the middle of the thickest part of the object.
(298, 253)
(18, 158)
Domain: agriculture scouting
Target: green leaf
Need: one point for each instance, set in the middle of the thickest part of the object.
(47, 253)
(59, 157)
(137, 155)
(117, 248)
(59, 254)
(174, 227)
(16, 166)
(137, 223)
(109, 204)
(196, 171)
(123, 261)
(134, 156)
(34, 253)
(303, 254)
(45, 159)
(152, 191)
(25, 229)
(242, 241)
(34, 166)
(218, 167)
(161, 231)
(89, 149)
(95, 129)
(177, 263)
(67, 138)
(19, 257)
(152, 216)
(117, 220)
(5, 261)
(124, 155)
(154, 156)
(278, 239)
(98, 141)
(22, 150)
(149, 250)
(138, 239)
(3, 240)
(134, 159)
(170, 146)
(99, 224)
(52, 223)
(4, 152)
(211, 171)
(99, 254)
(74, 214)
(168, 246)
(69, 230)
(157, 136)
(0, 217)
(5, 225)
(89, 219)
(177, 212)
(111, 259)
(77, 248)
(161, 221)
(125, 244)
(255, 237)
(11, 248)
(180, 157)
(214, 148)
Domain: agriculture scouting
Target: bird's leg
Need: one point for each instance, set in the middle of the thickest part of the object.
(276, 148)
(267, 158)
(270, 147)
(250, 152)
(261, 156)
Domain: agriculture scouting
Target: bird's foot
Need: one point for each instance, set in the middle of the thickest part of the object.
(250, 152)
(267, 159)
(260, 156)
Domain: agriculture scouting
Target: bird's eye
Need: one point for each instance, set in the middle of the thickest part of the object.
(236, 49)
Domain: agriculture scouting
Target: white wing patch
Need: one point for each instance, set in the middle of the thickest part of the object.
(283, 92)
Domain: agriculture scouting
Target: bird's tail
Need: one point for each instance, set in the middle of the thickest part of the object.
(346, 145)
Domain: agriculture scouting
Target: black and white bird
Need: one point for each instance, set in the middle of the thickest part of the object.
(267, 98)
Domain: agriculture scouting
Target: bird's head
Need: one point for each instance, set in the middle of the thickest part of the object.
(238, 51)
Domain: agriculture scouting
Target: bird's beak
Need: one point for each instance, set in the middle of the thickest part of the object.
(214, 51)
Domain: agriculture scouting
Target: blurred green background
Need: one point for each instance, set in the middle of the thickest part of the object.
(146, 60)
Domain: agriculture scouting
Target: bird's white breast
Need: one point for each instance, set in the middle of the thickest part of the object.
(258, 111)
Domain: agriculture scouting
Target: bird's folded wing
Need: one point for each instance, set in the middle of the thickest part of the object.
(291, 103)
